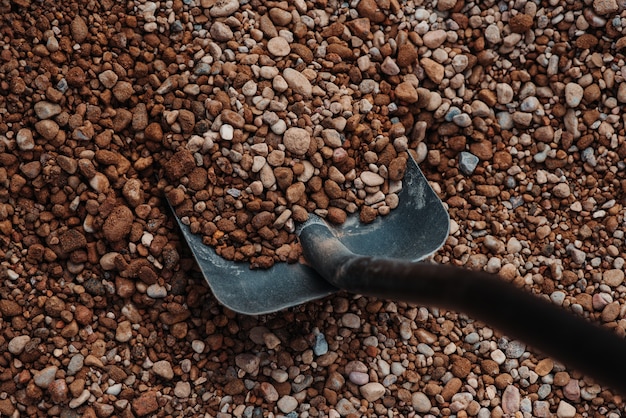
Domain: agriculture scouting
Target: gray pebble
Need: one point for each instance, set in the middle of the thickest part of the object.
(515, 349)
(75, 364)
(320, 345)
(467, 163)
(472, 338)
(544, 390)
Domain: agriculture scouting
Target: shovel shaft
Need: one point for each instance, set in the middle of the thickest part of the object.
(593, 350)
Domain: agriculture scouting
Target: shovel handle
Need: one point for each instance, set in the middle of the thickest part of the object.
(587, 347)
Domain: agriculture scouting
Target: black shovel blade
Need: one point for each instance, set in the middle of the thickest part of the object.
(414, 230)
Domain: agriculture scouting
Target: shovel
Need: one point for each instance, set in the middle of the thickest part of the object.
(348, 257)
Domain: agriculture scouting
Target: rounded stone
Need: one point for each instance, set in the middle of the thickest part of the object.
(297, 140)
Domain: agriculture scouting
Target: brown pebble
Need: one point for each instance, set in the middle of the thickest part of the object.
(179, 165)
(544, 367)
(407, 55)
(561, 378)
(72, 240)
(451, 388)
(336, 215)
(521, 23)
(118, 224)
(145, 404)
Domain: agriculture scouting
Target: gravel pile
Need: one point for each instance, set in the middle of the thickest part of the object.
(253, 115)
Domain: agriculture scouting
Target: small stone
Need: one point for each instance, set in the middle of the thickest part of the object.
(123, 91)
(565, 410)
(47, 110)
(492, 34)
(182, 389)
(572, 390)
(605, 7)
(108, 78)
(44, 377)
(573, 94)
(433, 69)
(80, 399)
(350, 320)
(79, 29)
(521, 23)
(297, 140)
(421, 402)
(17, 344)
(58, 390)
(124, 332)
(389, 66)
(515, 349)
(47, 128)
(358, 378)
(561, 190)
(445, 5)
(221, 32)
(344, 406)
(544, 367)
(407, 55)
(287, 403)
(164, 369)
(224, 8)
(613, 277)
(504, 93)
(371, 179)
(434, 39)
(118, 224)
(24, 139)
(247, 362)
(406, 92)
(145, 404)
(372, 391)
(75, 364)
(511, 400)
(467, 163)
(278, 47)
(298, 82)
(269, 392)
(156, 291)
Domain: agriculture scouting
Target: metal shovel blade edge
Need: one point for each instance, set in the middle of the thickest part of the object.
(414, 230)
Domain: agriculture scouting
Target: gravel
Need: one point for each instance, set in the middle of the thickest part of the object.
(255, 114)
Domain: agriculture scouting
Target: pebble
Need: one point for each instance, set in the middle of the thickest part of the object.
(278, 47)
(75, 364)
(17, 344)
(163, 368)
(358, 378)
(498, 356)
(433, 69)
(468, 163)
(297, 140)
(511, 399)
(182, 389)
(350, 320)
(224, 8)
(565, 410)
(372, 391)
(345, 407)
(421, 402)
(156, 291)
(298, 82)
(504, 93)
(320, 345)
(80, 399)
(573, 94)
(287, 404)
(45, 377)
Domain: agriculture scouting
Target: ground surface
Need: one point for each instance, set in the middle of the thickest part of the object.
(512, 108)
